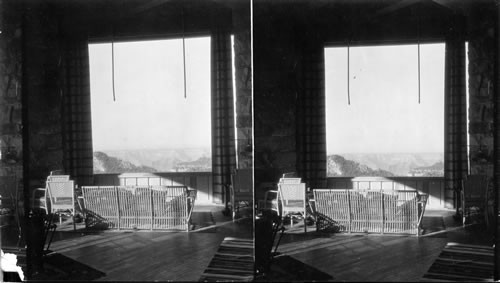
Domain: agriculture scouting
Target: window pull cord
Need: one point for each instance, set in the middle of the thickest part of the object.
(348, 78)
(184, 52)
(113, 65)
(418, 53)
(418, 45)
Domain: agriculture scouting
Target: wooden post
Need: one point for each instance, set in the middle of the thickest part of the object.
(349, 205)
(187, 210)
(117, 206)
(152, 205)
(383, 210)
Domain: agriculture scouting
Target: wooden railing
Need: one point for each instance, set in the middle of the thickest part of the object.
(369, 211)
(202, 183)
(199, 181)
(138, 207)
(432, 186)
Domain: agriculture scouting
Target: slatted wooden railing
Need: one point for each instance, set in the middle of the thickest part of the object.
(432, 186)
(369, 211)
(138, 207)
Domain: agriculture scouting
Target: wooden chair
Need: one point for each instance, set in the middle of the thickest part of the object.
(292, 200)
(290, 175)
(241, 189)
(270, 201)
(473, 196)
(290, 180)
(41, 201)
(61, 196)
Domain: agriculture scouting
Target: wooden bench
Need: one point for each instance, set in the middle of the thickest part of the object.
(138, 207)
(358, 211)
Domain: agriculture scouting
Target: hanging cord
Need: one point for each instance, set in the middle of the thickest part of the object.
(418, 52)
(184, 52)
(348, 77)
(113, 63)
(418, 45)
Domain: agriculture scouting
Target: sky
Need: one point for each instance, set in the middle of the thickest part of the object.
(384, 115)
(150, 111)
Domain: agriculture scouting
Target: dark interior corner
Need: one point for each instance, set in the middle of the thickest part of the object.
(45, 110)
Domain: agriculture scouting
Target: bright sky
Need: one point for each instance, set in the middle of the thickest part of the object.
(150, 111)
(384, 115)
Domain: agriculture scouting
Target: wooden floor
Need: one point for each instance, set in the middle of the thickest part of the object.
(372, 257)
(183, 256)
(367, 258)
(146, 255)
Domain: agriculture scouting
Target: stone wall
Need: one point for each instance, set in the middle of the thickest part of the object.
(276, 69)
(42, 91)
(243, 78)
(481, 55)
(11, 140)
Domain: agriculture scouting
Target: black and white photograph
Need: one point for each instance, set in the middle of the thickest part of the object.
(250, 140)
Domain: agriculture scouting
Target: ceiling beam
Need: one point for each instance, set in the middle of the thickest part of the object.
(144, 7)
(394, 7)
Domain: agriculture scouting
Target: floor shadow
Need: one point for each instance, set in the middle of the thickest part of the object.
(433, 224)
(202, 219)
(59, 267)
(287, 269)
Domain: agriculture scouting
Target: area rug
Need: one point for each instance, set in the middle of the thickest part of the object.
(59, 267)
(458, 262)
(288, 269)
(233, 262)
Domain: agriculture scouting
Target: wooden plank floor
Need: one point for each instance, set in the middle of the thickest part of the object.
(182, 256)
(148, 256)
(383, 258)
(367, 258)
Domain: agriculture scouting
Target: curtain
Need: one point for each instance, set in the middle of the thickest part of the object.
(311, 137)
(77, 127)
(223, 145)
(455, 156)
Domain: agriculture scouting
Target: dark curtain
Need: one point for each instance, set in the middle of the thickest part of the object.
(77, 127)
(223, 145)
(496, 150)
(311, 136)
(455, 156)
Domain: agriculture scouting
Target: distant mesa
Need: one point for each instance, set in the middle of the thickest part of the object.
(163, 160)
(338, 166)
(104, 163)
(400, 164)
(435, 170)
(385, 165)
(133, 162)
(202, 164)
